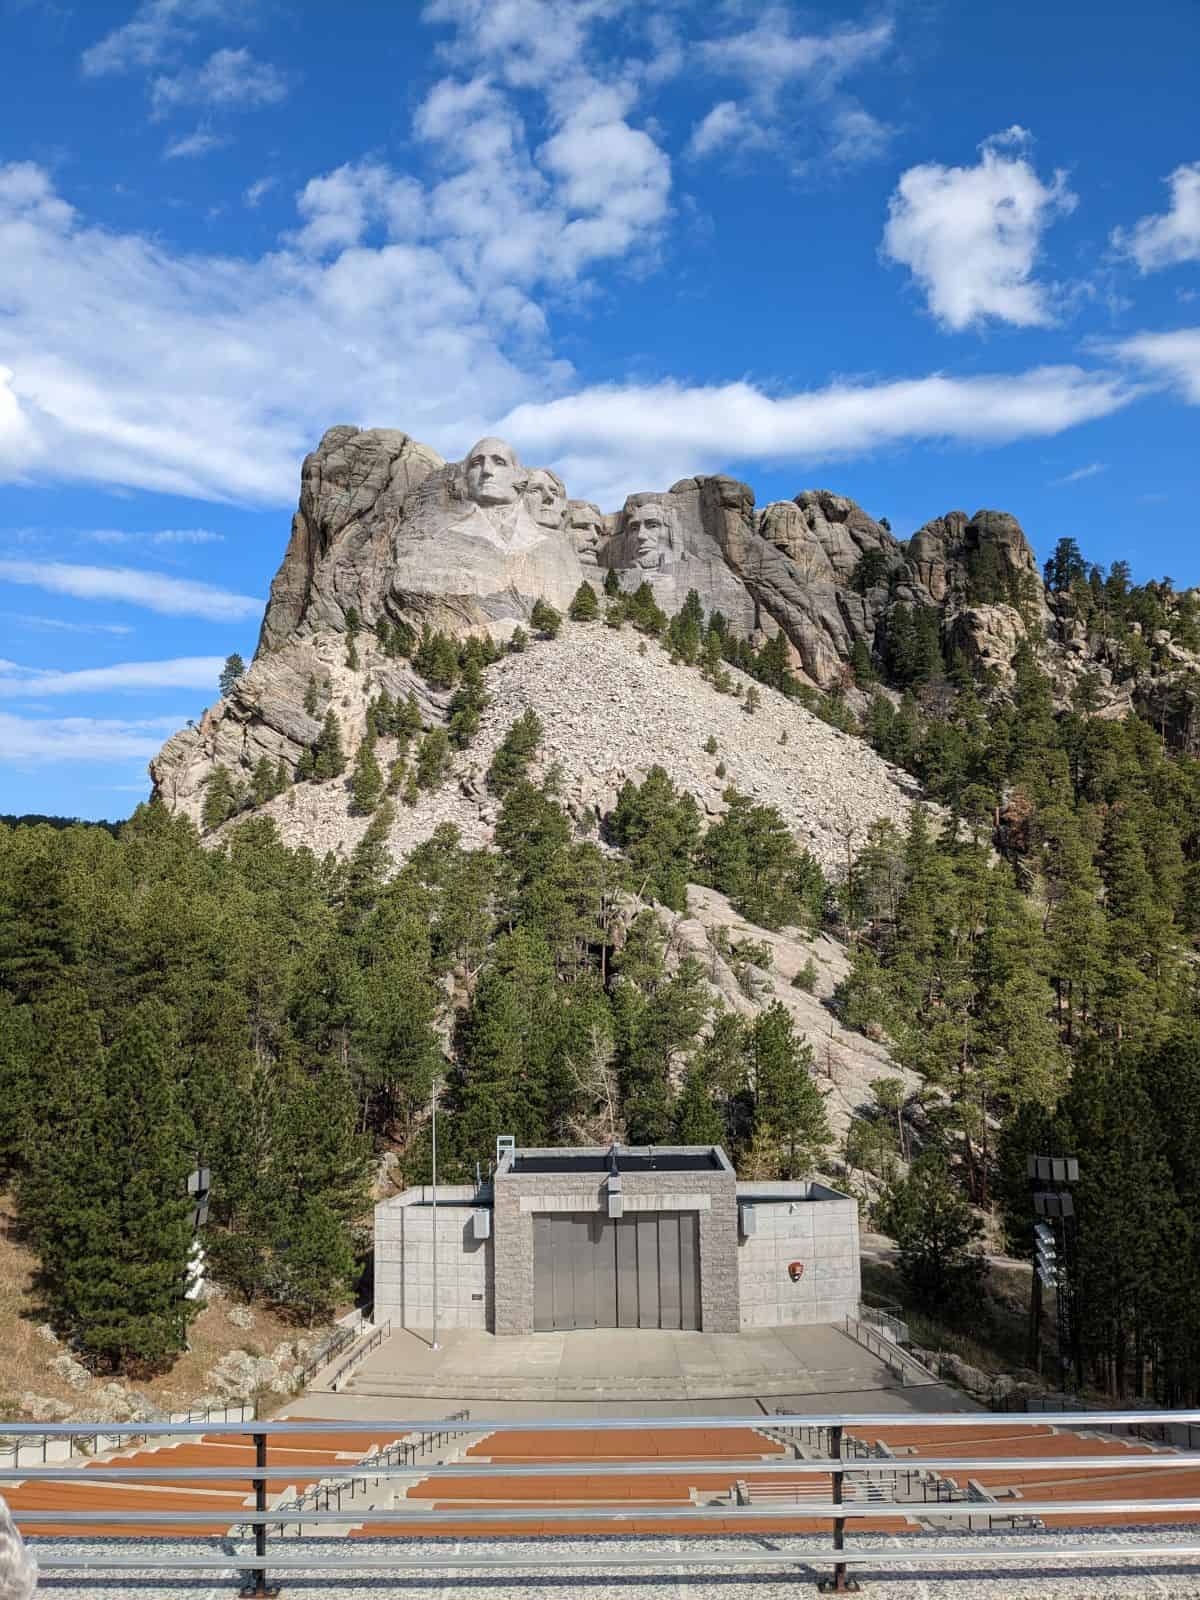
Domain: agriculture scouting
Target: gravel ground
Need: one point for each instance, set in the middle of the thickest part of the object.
(1044, 1580)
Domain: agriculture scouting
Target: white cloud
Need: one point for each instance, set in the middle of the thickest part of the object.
(228, 80)
(1171, 357)
(1092, 470)
(1164, 241)
(200, 143)
(253, 195)
(33, 741)
(726, 124)
(609, 435)
(154, 32)
(183, 672)
(794, 91)
(26, 619)
(173, 597)
(971, 235)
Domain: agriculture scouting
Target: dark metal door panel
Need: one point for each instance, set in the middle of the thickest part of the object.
(689, 1269)
(627, 1273)
(585, 1249)
(543, 1274)
(647, 1269)
(606, 1273)
(669, 1227)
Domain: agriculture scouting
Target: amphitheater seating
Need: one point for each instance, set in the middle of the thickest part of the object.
(579, 1446)
(1036, 1482)
(226, 1497)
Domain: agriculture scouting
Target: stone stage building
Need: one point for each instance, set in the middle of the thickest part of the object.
(646, 1237)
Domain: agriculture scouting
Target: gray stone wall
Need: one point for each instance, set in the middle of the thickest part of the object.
(711, 1193)
(404, 1262)
(803, 1222)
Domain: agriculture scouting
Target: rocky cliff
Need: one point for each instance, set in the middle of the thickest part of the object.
(389, 537)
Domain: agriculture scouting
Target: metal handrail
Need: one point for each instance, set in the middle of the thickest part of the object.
(837, 1509)
(356, 1355)
(898, 1362)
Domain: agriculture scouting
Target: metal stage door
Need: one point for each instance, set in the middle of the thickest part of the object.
(639, 1271)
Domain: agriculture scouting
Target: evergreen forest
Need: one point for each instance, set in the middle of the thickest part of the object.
(1027, 945)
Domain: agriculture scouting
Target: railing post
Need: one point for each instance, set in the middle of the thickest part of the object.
(258, 1588)
(839, 1583)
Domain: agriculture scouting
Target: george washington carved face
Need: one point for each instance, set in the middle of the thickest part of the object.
(494, 475)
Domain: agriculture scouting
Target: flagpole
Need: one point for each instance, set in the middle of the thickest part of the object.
(434, 1340)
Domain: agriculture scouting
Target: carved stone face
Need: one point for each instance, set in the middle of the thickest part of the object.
(647, 535)
(494, 475)
(547, 499)
(588, 529)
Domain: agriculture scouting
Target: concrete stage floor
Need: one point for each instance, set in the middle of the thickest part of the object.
(812, 1368)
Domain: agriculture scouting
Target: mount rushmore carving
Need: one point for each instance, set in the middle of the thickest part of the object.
(387, 532)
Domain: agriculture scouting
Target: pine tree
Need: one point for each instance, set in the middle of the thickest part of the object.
(219, 798)
(519, 641)
(545, 619)
(311, 697)
(116, 1259)
(934, 1228)
(230, 673)
(433, 759)
(329, 758)
(467, 706)
(612, 584)
(515, 753)
(366, 780)
(659, 830)
(263, 783)
(584, 607)
(788, 1111)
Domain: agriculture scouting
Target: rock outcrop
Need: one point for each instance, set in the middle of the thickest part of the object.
(387, 533)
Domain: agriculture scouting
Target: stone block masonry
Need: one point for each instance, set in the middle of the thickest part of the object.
(805, 1225)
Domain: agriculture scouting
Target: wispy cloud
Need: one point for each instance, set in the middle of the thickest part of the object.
(782, 69)
(971, 235)
(200, 143)
(26, 619)
(253, 195)
(610, 436)
(1173, 358)
(1092, 470)
(183, 672)
(173, 597)
(37, 741)
(230, 80)
(157, 29)
(167, 536)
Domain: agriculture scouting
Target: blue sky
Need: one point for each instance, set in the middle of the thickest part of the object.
(931, 255)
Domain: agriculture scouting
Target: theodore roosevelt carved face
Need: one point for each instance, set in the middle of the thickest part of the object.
(494, 475)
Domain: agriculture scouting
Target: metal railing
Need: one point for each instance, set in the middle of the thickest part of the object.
(898, 1362)
(33, 1441)
(837, 1432)
(406, 1451)
(360, 1353)
(325, 1354)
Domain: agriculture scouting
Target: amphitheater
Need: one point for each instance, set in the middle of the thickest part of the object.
(627, 1462)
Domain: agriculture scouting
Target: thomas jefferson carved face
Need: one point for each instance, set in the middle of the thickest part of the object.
(494, 475)
(547, 498)
(647, 535)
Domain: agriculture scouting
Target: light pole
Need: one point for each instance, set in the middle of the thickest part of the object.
(433, 1343)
